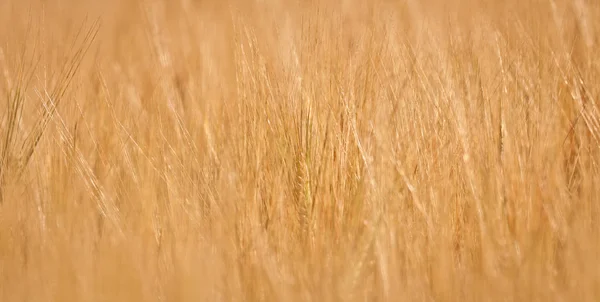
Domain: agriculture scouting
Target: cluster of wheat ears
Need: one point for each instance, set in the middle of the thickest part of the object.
(319, 150)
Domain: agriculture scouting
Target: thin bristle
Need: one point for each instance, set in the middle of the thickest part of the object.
(265, 150)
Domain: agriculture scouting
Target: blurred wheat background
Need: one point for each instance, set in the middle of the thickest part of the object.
(271, 150)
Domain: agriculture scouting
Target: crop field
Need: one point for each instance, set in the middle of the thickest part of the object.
(318, 150)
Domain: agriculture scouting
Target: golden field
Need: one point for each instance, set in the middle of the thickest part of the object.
(270, 150)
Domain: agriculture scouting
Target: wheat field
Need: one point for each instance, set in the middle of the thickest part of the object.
(318, 150)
